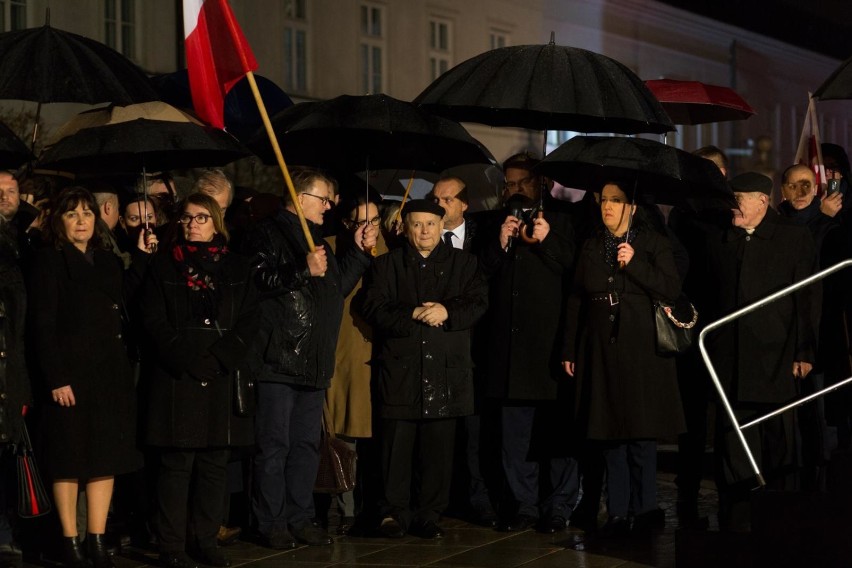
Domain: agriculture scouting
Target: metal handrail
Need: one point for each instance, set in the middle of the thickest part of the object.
(738, 314)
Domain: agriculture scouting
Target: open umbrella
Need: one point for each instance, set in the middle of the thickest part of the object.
(693, 102)
(661, 174)
(242, 118)
(838, 85)
(153, 136)
(356, 133)
(13, 151)
(546, 87)
(48, 65)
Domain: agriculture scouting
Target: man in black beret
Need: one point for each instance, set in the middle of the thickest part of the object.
(422, 299)
(760, 357)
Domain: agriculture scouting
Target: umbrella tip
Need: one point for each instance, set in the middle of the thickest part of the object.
(552, 38)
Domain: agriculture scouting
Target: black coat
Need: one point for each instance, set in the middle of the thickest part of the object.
(625, 389)
(189, 390)
(526, 303)
(74, 310)
(14, 380)
(300, 314)
(754, 355)
(424, 371)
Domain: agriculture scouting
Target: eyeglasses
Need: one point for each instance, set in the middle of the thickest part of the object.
(358, 224)
(523, 181)
(326, 201)
(200, 218)
(805, 185)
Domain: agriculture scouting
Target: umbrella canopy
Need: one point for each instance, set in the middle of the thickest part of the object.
(355, 133)
(48, 65)
(693, 102)
(838, 85)
(152, 135)
(13, 152)
(662, 174)
(546, 87)
(242, 118)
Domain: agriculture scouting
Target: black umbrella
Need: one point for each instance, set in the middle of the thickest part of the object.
(659, 173)
(152, 136)
(13, 152)
(838, 85)
(48, 65)
(546, 87)
(355, 133)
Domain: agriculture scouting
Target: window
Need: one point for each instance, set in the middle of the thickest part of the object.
(497, 39)
(372, 49)
(296, 46)
(440, 47)
(13, 15)
(120, 26)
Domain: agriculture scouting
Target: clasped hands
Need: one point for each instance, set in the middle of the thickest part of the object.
(430, 313)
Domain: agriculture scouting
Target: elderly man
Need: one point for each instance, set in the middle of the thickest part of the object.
(422, 300)
(302, 295)
(761, 356)
(217, 185)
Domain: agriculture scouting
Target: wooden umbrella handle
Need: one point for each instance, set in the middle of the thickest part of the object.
(523, 233)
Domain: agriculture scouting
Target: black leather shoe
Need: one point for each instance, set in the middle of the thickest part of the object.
(213, 557)
(391, 528)
(177, 560)
(552, 525)
(615, 527)
(311, 535)
(345, 525)
(72, 553)
(425, 529)
(278, 539)
(98, 553)
(517, 523)
(484, 518)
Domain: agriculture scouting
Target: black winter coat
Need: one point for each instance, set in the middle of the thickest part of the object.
(74, 311)
(14, 380)
(189, 390)
(754, 355)
(526, 305)
(625, 390)
(300, 314)
(424, 371)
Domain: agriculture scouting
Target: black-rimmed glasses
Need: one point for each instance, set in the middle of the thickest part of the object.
(200, 218)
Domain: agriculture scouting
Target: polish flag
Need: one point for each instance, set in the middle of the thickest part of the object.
(809, 151)
(217, 56)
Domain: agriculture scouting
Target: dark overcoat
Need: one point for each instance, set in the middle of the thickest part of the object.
(625, 389)
(754, 355)
(74, 311)
(424, 371)
(183, 409)
(14, 379)
(522, 343)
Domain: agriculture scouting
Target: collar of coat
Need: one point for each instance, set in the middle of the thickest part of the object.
(440, 253)
(765, 230)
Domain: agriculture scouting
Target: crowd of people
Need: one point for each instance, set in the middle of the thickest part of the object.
(509, 354)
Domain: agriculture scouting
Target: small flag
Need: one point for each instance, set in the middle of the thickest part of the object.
(809, 151)
(217, 56)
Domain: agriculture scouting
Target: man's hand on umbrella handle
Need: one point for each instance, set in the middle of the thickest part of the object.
(541, 228)
(317, 262)
(569, 367)
(509, 230)
(831, 204)
(365, 238)
(625, 254)
(801, 369)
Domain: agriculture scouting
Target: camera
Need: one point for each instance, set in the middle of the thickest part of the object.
(833, 186)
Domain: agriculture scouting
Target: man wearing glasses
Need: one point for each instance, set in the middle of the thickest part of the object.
(302, 295)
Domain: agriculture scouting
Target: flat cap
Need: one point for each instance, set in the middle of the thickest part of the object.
(752, 182)
(422, 206)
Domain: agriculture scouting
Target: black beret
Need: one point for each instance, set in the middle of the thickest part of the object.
(422, 206)
(751, 182)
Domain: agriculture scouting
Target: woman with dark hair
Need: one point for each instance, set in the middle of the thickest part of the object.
(628, 395)
(200, 313)
(88, 419)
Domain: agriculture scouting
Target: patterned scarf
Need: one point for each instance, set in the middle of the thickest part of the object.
(198, 263)
(611, 243)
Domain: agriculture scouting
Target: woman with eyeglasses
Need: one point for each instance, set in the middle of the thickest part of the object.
(200, 314)
(88, 415)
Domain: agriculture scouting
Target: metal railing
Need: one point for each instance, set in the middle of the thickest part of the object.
(738, 314)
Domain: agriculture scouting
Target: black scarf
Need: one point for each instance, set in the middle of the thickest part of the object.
(198, 264)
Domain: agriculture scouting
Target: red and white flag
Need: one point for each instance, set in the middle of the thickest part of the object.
(809, 151)
(217, 56)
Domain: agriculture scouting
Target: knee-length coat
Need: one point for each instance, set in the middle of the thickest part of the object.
(74, 319)
(184, 411)
(625, 389)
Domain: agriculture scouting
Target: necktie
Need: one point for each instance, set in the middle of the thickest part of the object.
(448, 238)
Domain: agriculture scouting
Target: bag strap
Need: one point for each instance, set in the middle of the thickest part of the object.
(326, 420)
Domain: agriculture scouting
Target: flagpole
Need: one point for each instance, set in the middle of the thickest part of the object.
(404, 199)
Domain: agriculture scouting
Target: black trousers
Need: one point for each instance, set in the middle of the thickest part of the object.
(190, 486)
(428, 444)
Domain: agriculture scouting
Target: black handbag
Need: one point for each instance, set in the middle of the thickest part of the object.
(674, 335)
(245, 392)
(336, 473)
(33, 500)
